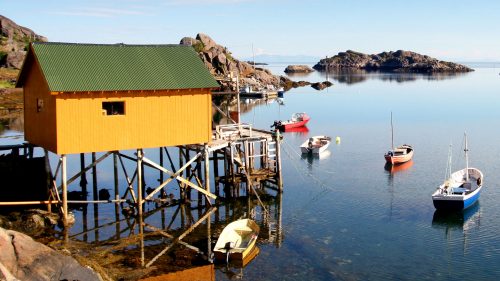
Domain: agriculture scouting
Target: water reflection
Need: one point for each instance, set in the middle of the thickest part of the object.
(393, 169)
(297, 131)
(311, 157)
(462, 222)
(352, 76)
(173, 237)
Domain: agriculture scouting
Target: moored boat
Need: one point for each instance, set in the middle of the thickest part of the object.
(315, 145)
(298, 120)
(461, 189)
(400, 154)
(236, 240)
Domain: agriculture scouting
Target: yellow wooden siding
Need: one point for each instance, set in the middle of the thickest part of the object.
(165, 118)
(39, 127)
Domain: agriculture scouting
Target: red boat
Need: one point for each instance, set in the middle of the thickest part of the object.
(400, 154)
(298, 120)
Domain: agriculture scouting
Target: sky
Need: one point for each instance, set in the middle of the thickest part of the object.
(456, 30)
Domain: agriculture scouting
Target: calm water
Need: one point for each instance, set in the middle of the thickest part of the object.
(345, 217)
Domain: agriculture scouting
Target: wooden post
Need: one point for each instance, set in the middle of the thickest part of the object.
(48, 172)
(207, 174)
(139, 181)
(199, 176)
(181, 185)
(94, 178)
(188, 173)
(216, 172)
(117, 194)
(209, 236)
(64, 190)
(161, 163)
(83, 177)
(278, 161)
(115, 173)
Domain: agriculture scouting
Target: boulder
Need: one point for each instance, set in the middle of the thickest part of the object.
(15, 59)
(321, 85)
(298, 69)
(207, 42)
(188, 41)
(25, 259)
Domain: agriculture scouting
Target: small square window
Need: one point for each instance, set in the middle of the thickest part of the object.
(113, 108)
(39, 105)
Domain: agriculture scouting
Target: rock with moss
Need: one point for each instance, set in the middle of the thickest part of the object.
(14, 42)
(398, 61)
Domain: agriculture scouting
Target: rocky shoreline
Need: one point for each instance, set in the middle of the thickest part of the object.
(398, 61)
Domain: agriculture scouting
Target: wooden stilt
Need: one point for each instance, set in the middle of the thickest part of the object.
(278, 161)
(216, 172)
(94, 178)
(83, 177)
(139, 181)
(64, 190)
(207, 173)
(181, 185)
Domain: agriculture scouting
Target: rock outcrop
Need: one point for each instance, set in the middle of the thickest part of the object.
(14, 40)
(399, 61)
(221, 64)
(298, 69)
(23, 258)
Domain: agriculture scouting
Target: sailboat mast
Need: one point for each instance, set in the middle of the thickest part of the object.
(392, 134)
(466, 149)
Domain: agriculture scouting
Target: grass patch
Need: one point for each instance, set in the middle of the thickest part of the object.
(6, 84)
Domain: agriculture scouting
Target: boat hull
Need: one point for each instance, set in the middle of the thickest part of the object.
(457, 201)
(399, 159)
(305, 148)
(236, 240)
(285, 127)
(457, 204)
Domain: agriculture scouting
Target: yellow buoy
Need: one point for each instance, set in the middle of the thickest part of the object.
(337, 140)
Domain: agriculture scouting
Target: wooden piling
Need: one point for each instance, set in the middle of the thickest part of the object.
(64, 190)
(139, 181)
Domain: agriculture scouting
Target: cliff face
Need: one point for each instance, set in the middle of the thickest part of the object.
(399, 61)
(14, 40)
(221, 63)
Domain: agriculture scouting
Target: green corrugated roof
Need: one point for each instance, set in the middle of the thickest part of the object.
(90, 67)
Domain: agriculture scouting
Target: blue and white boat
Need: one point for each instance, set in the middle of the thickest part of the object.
(461, 189)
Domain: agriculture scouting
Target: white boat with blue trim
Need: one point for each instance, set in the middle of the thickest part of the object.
(461, 189)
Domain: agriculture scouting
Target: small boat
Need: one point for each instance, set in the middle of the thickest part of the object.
(315, 145)
(400, 154)
(461, 189)
(237, 240)
(298, 120)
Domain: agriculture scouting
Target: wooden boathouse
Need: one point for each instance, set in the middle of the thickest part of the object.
(89, 98)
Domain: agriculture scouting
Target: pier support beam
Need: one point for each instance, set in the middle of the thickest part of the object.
(64, 190)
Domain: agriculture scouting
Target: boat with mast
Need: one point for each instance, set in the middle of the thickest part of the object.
(400, 154)
(460, 189)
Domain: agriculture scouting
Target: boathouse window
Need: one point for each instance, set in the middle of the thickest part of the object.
(39, 105)
(113, 108)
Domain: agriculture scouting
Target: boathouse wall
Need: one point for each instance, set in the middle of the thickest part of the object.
(150, 119)
(39, 108)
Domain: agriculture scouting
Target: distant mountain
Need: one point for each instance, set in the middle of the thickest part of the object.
(283, 59)
(14, 41)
